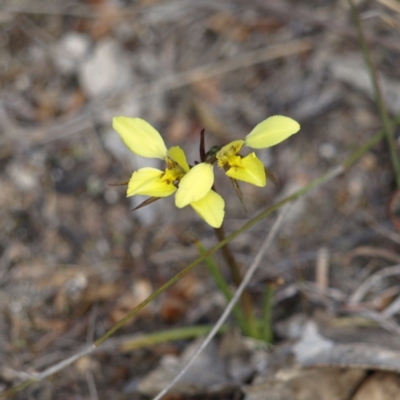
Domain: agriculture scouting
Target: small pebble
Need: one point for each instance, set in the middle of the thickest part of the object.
(23, 177)
(70, 52)
(327, 151)
(105, 70)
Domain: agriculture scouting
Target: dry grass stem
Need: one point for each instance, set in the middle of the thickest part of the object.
(322, 269)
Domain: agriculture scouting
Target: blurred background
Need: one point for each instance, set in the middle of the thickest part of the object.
(74, 259)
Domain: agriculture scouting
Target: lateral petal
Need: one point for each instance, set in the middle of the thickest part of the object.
(140, 137)
(210, 208)
(195, 184)
(271, 132)
(149, 182)
(251, 170)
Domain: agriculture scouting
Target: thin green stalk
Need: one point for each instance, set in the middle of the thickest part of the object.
(245, 299)
(356, 155)
(387, 125)
(223, 287)
(169, 335)
(266, 328)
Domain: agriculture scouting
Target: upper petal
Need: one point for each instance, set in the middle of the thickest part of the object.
(195, 184)
(251, 170)
(210, 208)
(178, 155)
(271, 132)
(148, 181)
(141, 138)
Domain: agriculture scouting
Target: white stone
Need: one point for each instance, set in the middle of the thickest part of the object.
(105, 70)
(327, 150)
(311, 343)
(24, 177)
(70, 52)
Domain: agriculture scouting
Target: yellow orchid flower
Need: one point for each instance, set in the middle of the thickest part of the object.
(249, 169)
(142, 139)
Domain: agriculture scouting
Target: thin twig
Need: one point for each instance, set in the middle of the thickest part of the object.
(363, 289)
(49, 8)
(49, 371)
(392, 309)
(91, 324)
(322, 269)
(246, 279)
(307, 15)
(393, 236)
(386, 323)
(92, 386)
(214, 69)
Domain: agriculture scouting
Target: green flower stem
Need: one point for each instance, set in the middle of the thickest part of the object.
(374, 140)
(223, 287)
(316, 182)
(152, 339)
(251, 325)
(266, 328)
(386, 123)
(17, 388)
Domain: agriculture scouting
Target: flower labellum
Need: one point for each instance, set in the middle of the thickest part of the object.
(195, 184)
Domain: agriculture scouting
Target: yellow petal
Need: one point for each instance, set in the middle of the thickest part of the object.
(210, 208)
(177, 155)
(251, 170)
(141, 138)
(228, 152)
(271, 132)
(149, 182)
(195, 184)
